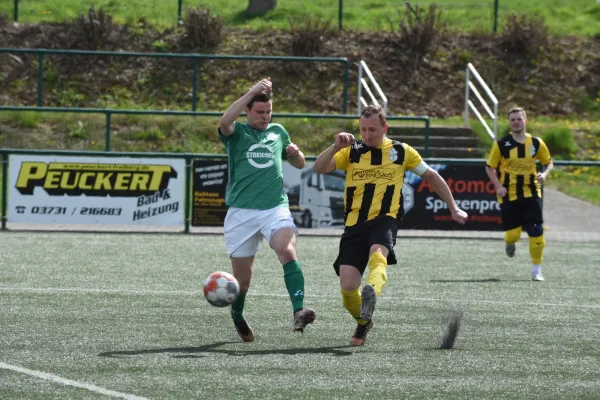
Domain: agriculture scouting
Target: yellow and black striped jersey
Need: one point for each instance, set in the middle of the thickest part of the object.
(515, 164)
(374, 178)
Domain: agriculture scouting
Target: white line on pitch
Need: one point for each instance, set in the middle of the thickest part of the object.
(94, 290)
(136, 292)
(70, 382)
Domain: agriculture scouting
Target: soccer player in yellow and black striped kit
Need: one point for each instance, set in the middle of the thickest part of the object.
(511, 166)
(375, 169)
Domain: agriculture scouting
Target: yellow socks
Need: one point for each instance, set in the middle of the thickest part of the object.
(352, 301)
(377, 272)
(377, 278)
(536, 249)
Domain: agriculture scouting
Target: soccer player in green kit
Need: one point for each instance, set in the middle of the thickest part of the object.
(258, 204)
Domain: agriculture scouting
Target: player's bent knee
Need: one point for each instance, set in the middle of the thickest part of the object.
(244, 283)
(350, 278)
(379, 248)
(349, 286)
(535, 230)
(512, 236)
(286, 253)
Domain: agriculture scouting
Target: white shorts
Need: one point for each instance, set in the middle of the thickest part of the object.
(245, 228)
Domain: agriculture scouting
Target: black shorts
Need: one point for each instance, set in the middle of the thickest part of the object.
(521, 212)
(357, 240)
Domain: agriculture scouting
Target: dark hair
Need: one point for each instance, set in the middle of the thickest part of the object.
(371, 110)
(516, 110)
(262, 97)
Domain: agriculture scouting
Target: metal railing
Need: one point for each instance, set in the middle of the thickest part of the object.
(194, 57)
(110, 112)
(470, 87)
(363, 84)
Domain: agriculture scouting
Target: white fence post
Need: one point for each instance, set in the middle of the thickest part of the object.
(469, 106)
(363, 84)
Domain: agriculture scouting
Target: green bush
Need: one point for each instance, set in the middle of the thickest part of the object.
(309, 36)
(560, 141)
(203, 31)
(22, 119)
(590, 104)
(419, 30)
(153, 135)
(483, 134)
(79, 132)
(524, 35)
(94, 28)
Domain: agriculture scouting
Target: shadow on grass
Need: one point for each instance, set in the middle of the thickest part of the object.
(488, 280)
(192, 352)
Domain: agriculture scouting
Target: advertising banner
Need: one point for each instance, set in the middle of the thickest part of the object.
(317, 200)
(209, 180)
(472, 190)
(96, 190)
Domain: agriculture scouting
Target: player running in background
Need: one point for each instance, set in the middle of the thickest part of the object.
(511, 166)
(258, 205)
(375, 168)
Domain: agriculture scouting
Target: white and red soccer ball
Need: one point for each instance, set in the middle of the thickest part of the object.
(221, 289)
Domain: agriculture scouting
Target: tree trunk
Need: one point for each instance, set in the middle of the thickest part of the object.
(259, 7)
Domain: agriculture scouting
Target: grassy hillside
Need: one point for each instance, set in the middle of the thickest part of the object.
(575, 17)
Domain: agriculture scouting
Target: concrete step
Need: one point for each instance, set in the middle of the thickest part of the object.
(452, 152)
(444, 142)
(438, 141)
(433, 131)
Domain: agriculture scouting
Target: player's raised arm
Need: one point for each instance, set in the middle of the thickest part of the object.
(325, 162)
(227, 122)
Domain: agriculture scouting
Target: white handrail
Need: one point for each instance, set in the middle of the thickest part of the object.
(470, 87)
(362, 83)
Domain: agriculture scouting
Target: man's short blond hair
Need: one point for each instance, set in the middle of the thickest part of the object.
(516, 110)
(371, 110)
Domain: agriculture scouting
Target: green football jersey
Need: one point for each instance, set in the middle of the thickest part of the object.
(255, 177)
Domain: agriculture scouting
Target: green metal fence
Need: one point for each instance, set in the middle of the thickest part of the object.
(109, 112)
(16, 10)
(340, 12)
(189, 157)
(41, 53)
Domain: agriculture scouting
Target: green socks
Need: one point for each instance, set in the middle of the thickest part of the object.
(237, 308)
(294, 282)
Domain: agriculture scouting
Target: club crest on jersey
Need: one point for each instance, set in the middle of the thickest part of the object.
(272, 136)
(393, 155)
(532, 150)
